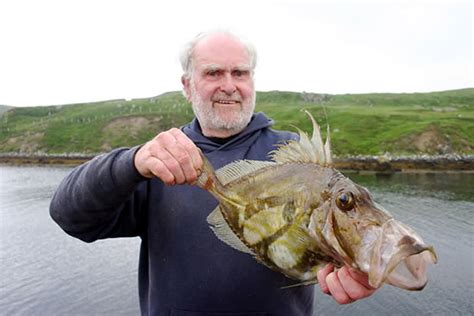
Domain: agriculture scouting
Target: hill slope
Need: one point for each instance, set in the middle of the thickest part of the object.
(361, 124)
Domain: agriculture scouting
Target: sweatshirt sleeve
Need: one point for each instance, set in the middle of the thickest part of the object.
(102, 198)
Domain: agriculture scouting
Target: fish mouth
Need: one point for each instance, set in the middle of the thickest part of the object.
(400, 258)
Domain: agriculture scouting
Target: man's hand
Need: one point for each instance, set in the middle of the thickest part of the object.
(170, 156)
(346, 285)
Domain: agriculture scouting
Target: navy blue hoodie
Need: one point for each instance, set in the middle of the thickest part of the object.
(184, 269)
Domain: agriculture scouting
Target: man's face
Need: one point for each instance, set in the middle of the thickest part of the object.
(221, 88)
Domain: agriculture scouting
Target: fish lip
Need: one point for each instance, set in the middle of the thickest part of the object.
(401, 261)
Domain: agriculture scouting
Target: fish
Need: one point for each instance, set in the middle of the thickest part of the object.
(296, 213)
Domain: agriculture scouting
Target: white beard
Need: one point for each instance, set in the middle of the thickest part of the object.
(232, 121)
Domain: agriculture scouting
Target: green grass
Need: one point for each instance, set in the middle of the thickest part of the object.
(360, 124)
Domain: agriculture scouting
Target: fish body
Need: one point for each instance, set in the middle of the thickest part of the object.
(297, 213)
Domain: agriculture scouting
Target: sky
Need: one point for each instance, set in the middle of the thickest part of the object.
(66, 51)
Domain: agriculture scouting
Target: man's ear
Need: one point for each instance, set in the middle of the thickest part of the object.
(186, 87)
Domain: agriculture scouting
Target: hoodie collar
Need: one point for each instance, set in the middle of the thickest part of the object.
(258, 122)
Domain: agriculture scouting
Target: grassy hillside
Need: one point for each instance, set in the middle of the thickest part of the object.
(361, 124)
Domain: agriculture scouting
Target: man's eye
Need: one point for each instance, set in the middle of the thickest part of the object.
(239, 73)
(213, 73)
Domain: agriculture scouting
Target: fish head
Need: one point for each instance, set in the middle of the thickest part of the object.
(361, 233)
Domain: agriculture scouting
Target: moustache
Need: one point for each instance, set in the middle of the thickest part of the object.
(223, 97)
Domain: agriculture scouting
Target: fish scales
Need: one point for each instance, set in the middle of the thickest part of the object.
(272, 220)
(297, 213)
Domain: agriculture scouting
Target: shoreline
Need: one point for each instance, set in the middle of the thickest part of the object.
(413, 164)
(379, 164)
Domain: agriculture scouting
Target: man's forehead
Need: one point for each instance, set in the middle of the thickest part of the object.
(222, 59)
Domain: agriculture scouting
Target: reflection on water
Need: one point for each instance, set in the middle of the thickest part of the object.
(45, 272)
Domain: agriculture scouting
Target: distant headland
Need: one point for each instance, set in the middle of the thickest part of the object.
(376, 131)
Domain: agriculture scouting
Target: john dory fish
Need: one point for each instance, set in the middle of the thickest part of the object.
(296, 213)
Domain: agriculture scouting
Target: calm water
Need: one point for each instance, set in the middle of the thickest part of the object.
(43, 271)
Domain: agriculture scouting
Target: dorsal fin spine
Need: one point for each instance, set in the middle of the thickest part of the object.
(305, 150)
(327, 148)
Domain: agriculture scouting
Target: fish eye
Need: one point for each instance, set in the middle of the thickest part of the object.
(345, 201)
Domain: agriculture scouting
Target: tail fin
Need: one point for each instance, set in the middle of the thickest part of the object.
(208, 179)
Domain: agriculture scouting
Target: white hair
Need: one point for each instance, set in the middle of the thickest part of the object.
(186, 56)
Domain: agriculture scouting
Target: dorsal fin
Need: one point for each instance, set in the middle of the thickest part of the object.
(305, 150)
(239, 169)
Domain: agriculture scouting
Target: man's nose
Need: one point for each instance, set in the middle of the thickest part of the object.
(228, 85)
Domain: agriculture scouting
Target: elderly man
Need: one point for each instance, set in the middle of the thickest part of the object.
(145, 191)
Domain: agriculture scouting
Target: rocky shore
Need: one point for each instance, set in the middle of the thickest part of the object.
(421, 163)
(46, 159)
(385, 163)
